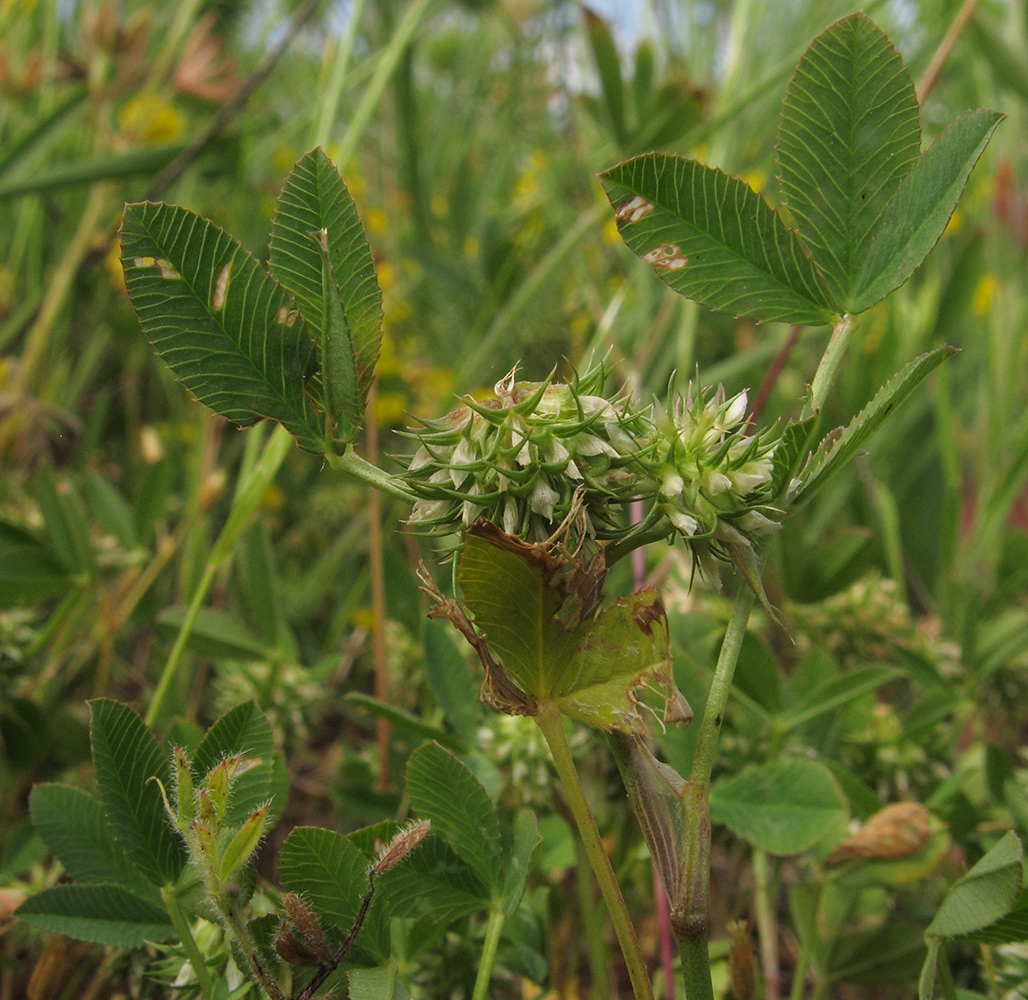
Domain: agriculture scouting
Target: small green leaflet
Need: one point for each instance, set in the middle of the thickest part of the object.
(126, 757)
(315, 199)
(712, 238)
(839, 447)
(849, 134)
(784, 807)
(229, 331)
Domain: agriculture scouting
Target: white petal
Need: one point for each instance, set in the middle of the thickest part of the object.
(543, 498)
(716, 482)
(673, 484)
(685, 523)
(736, 411)
(757, 524)
(422, 457)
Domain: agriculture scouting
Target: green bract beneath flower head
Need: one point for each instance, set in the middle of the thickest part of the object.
(520, 457)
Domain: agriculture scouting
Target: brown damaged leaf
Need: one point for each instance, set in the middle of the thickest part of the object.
(531, 612)
(897, 831)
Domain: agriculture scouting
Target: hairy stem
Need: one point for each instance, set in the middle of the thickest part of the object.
(185, 936)
(550, 723)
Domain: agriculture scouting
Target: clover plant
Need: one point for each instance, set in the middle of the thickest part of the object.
(529, 492)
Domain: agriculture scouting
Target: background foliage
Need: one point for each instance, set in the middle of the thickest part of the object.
(470, 135)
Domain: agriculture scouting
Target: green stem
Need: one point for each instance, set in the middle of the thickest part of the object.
(721, 685)
(493, 929)
(592, 926)
(552, 726)
(767, 928)
(185, 935)
(829, 365)
(234, 927)
(799, 975)
(695, 960)
(340, 64)
(388, 60)
(185, 630)
(244, 505)
(352, 464)
(690, 914)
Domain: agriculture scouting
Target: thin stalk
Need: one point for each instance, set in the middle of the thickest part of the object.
(185, 936)
(942, 53)
(690, 917)
(721, 685)
(592, 926)
(493, 930)
(826, 370)
(767, 926)
(378, 602)
(352, 464)
(799, 975)
(695, 959)
(388, 60)
(244, 506)
(237, 929)
(184, 632)
(37, 340)
(552, 726)
(185, 14)
(337, 77)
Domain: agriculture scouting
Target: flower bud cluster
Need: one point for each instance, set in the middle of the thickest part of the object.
(199, 812)
(715, 477)
(518, 459)
(522, 458)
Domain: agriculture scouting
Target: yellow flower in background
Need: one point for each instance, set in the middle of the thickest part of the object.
(390, 408)
(112, 265)
(609, 234)
(283, 158)
(955, 224)
(149, 118)
(984, 293)
(376, 220)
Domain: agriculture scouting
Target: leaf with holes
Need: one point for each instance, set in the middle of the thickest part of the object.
(229, 331)
(850, 132)
(314, 198)
(713, 239)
